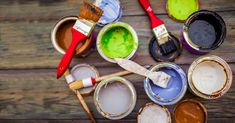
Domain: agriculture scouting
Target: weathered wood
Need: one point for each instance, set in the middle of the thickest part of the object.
(28, 44)
(35, 94)
(54, 9)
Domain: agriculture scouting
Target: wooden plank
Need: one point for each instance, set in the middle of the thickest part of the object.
(25, 45)
(55, 9)
(35, 94)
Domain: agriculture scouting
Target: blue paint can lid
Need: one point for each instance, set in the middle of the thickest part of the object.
(112, 11)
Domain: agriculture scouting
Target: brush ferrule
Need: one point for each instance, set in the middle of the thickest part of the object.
(84, 26)
(161, 34)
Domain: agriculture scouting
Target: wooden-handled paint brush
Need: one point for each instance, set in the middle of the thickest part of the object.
(89, 15)
(166, 45)
(82, 101)
(87, 82)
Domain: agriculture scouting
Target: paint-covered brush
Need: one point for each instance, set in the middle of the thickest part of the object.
(160, 79)
(89, 15)
(165, 43)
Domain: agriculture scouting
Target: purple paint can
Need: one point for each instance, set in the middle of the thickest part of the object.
(203, 31)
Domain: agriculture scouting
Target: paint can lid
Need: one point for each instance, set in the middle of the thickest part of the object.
(155, 51)
(112, 11)
(159, 114)
(82, 71)
(179, 10)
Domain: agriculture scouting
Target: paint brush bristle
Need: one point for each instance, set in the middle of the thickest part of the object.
(90, 12)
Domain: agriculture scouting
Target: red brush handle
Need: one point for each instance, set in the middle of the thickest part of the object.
(66, 59)
(155, 22)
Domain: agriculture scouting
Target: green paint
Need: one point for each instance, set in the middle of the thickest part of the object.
(181, 9)
(117, 42)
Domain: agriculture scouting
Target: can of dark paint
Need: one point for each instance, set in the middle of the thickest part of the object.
(203, 31)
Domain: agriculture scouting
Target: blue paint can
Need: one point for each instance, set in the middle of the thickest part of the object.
(175, 90)
(112, 11)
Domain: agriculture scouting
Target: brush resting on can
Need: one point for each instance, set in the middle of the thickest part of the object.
(165, 43)
(89, 15)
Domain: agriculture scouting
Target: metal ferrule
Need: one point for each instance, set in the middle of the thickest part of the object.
(84, 26)
(161, 32)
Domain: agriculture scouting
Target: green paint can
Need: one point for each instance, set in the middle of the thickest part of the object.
(179, 10)
(117, 40)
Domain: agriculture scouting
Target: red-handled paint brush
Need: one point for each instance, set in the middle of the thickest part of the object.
(89, 15)
(166, 45)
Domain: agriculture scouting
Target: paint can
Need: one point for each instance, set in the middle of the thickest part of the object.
(112, 11)
(115, 98)
(190, 111)
(117, 40)
(176, 87)
(179, 10)
(155, 51)
(209, 77)
(203, 31)
(83, 71)
(153, 113)
(61, 37)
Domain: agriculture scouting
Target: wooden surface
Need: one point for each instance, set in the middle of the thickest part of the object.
(29, 90)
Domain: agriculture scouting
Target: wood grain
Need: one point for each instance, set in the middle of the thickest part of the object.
(18, 47)
(22, 93)
(29, 92)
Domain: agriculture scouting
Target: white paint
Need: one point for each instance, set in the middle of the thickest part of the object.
(153, 114)
(209, 77)
(115, 98)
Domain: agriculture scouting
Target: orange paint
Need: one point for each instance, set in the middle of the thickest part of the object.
(64, 37)
(190, 112)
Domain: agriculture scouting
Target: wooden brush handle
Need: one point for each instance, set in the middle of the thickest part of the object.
(122, 73)
(82, 101)
(79, 83)
(85, 107)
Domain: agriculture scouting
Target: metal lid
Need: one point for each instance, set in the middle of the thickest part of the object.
(156, 54)
(112, 11)
(82, 71)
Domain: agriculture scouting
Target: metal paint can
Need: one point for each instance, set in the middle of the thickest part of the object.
(121, 37)
(203, 32)
(190, 111)
(61, 37)
(153, 113)
(112, 11)
(82, 71)
(115, 98)
(209, 77)
(176, 87)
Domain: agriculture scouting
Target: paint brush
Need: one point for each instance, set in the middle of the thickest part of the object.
(166, 44)
(160, 79)
(88, 82)
(89, 15)
(82, 101)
